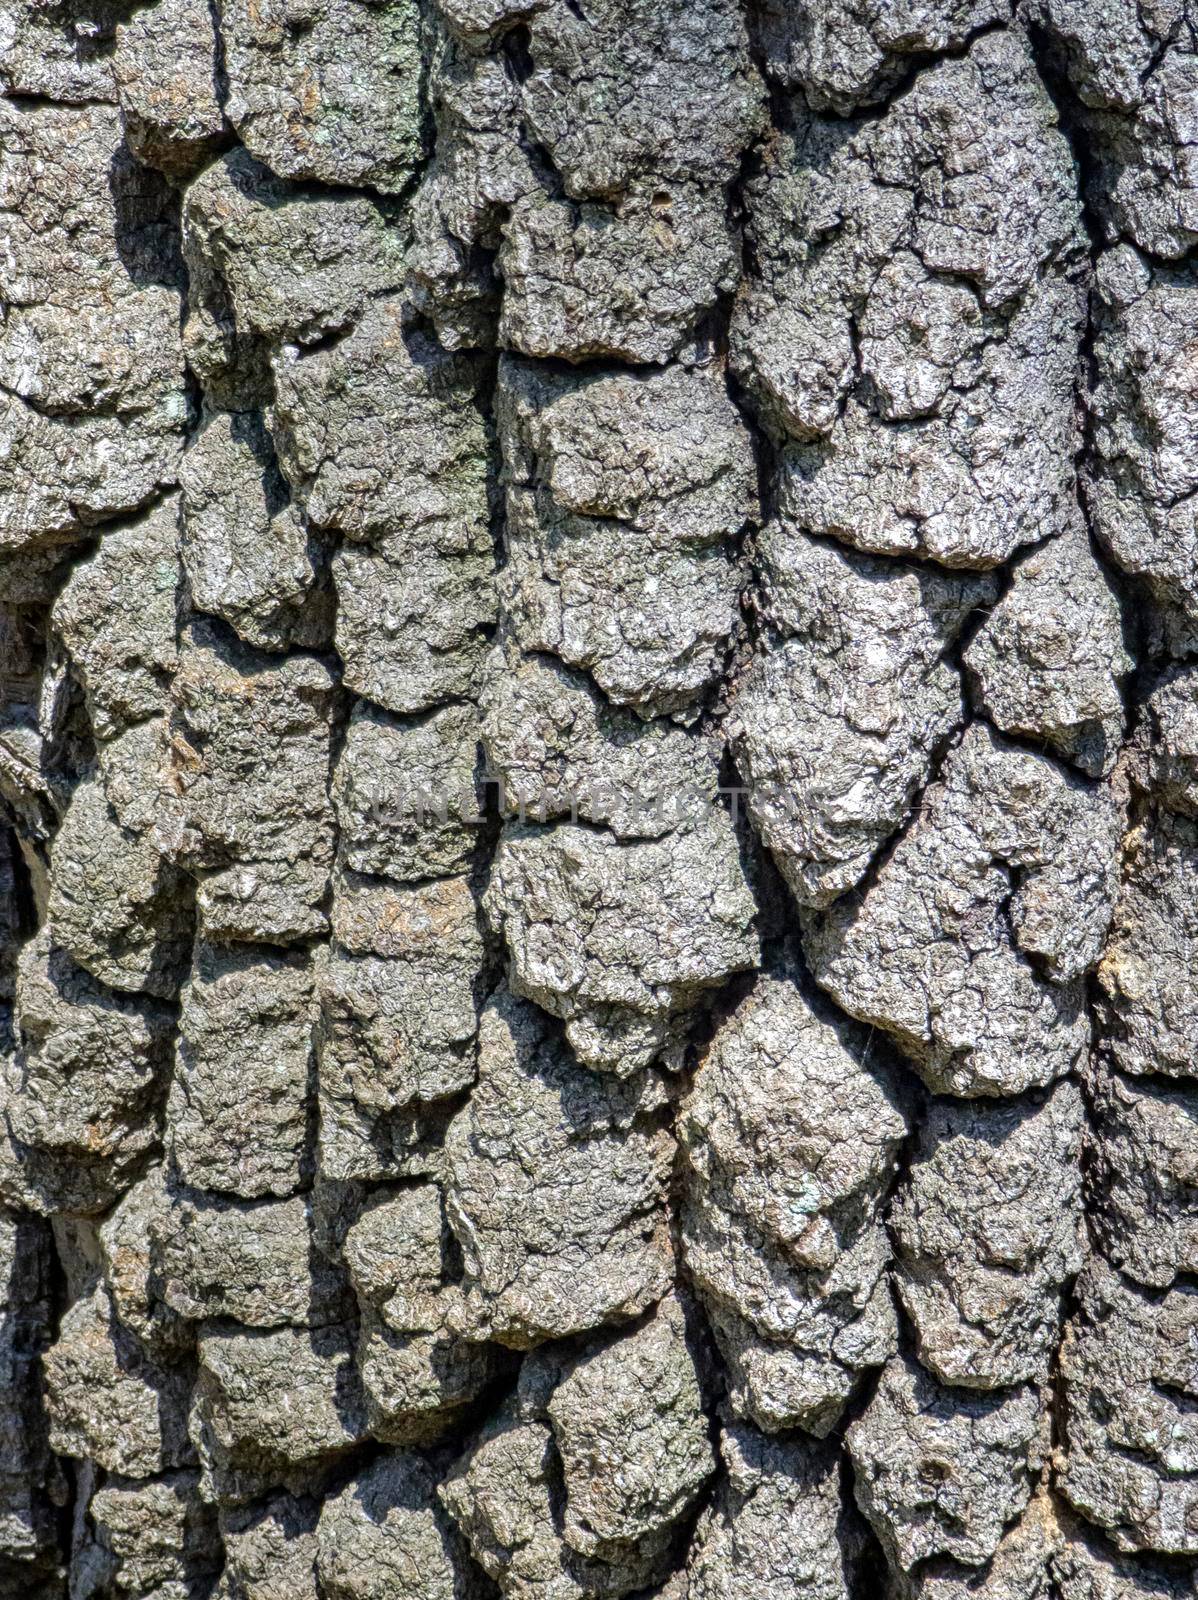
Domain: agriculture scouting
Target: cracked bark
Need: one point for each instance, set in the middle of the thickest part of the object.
(598, 800)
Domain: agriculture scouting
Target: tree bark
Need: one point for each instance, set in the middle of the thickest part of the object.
(599, 800)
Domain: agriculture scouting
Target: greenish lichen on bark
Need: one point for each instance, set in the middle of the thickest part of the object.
(598, 800)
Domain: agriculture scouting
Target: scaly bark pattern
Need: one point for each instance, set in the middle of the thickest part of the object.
(599, 800)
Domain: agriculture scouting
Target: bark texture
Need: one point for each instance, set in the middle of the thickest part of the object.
(599, 799)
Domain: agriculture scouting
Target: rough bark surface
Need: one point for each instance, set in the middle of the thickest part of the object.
(599, 799)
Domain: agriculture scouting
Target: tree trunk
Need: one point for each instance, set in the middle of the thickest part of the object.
(599, 800)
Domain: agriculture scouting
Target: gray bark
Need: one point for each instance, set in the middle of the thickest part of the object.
(599, 800)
